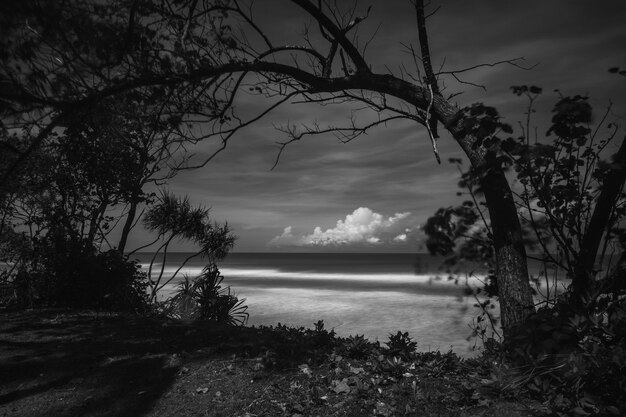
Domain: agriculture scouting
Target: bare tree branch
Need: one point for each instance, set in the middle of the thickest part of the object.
(431, 79)
(512, 62)
(345, 134)
(337, 34)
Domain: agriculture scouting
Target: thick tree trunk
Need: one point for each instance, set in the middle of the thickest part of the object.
(514, 290)
(584, 274)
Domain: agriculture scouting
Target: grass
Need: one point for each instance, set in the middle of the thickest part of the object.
(61, 363)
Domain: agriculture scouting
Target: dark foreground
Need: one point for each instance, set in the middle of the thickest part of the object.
(55, 363)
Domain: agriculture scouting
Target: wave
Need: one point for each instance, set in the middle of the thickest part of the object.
(276, 278)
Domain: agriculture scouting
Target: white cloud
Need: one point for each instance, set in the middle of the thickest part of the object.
(400, 238)
(362, 227)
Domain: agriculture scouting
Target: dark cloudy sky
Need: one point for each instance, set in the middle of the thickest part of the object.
(373, 194)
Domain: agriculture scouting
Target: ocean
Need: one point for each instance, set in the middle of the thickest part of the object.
(366, 294)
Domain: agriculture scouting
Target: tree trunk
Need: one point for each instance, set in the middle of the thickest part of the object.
(95, 221)
(584, 272)
(514, 290)
(130, 219)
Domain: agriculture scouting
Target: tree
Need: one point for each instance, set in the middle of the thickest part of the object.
(175, 218)
(571, 203)
(145, 142)
(197, 56)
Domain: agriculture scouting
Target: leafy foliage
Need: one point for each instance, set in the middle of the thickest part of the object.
(572, 342)
(72, 192)
(205, 298)
(56, 217)
(401, 345)
(80, 278)
(175, 218)
(483, 123)
(295, 343)
(358, 347)
(579, 361)
(558, 181)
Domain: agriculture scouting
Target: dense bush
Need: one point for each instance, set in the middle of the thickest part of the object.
(577, 359)
(293, 344)
(66, 275)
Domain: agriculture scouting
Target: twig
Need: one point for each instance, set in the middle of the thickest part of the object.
(433, 140)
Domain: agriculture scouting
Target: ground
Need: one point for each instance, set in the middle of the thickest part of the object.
(59, 363)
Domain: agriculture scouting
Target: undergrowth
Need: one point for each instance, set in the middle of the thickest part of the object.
(394, 377)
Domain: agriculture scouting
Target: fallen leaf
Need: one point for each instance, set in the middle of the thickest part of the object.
(613, 410)
(340, 386)
(295, 385)
(304, 368)
(485, 402)
(382, 409)
(339, 404)
(356, 371)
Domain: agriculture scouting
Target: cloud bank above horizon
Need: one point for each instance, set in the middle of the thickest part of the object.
(362, 228)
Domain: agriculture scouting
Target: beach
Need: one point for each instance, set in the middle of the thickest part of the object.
(366, 294)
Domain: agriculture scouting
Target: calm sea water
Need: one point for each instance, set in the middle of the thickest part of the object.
(369, 294)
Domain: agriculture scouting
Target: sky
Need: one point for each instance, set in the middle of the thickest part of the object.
(373, 193)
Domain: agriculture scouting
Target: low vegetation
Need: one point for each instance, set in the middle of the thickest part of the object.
(131, 365)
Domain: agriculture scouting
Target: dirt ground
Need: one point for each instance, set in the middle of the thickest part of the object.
(55, 363)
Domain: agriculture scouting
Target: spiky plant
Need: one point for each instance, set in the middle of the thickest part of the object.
(205, 299)
(174, 218)
(401, 345)
(358, 347)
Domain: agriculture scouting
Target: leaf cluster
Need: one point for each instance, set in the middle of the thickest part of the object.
(205, 298)
(576, 360)
(175, 218)
(63, 275)
(557, 181)
(481, 122)
(294, 344)
(401, 345)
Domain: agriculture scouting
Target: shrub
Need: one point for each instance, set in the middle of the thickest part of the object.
(205, 299)
(576, 359)
(358, 347)
(401, 345)
(293, 345)
(79, 277)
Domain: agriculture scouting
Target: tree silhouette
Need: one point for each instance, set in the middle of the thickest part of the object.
(570, 198)
(175, 218)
